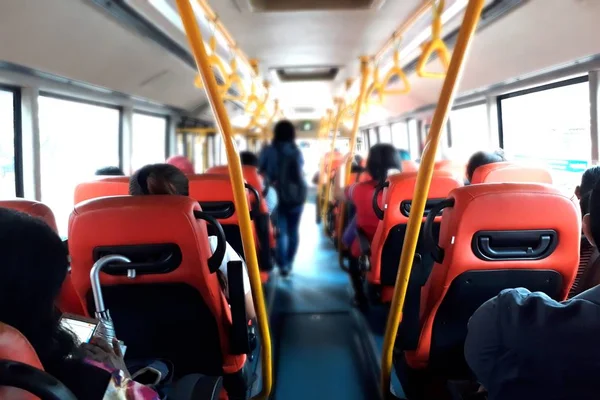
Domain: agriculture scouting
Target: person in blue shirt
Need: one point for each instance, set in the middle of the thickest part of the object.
(524, 345)
(282, 163)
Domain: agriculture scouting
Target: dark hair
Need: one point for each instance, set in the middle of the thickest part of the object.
(159, 179)
(594, 211)
(382, 157)
(483, 158)
(110, 171)
(284, 131)
(249, 158)
(588, 180)
(30, 282)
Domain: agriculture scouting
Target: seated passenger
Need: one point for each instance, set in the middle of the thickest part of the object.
(183, 163)
(382, 159)
(110, 171)
(524, 345)
(165, 179)
(483, 158)
(404, 155)
(251, 159)
(30, 282)
(588, 272)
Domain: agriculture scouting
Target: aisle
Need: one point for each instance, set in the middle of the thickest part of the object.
(320, 347)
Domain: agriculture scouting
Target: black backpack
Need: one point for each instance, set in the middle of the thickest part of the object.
(291, 187)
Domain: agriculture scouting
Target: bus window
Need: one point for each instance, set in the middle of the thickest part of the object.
(76, 139)
(181, 144)
(148, 140)
(400, 135)
(385, 134)
(372, 137)
(7, 145)
(469, 132)
(550, 126)
(413, 139)
(199, 142)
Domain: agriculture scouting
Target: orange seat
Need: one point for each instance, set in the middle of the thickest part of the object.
(67, 299)
(492, 237)
(263, 226)
(174, 306)
(409, 166)
(503, 172)
(21, 367)
(458, 169)
(386, 246)
(102, 187)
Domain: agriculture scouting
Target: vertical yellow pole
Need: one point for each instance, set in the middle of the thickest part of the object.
(425, 173)
(364, 73)
(322, 166)
(336, 126)
(237, 182)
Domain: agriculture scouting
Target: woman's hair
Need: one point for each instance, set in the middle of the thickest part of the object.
(482, 158)
(159, 179)
(33, 267)
(183, 163)
(249, 158)
(284, 131)
(382, 157)
(110, 171)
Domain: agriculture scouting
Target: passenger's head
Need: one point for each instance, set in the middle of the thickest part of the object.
(404, 155)
(591, 220)
(182, 163)
(159, 179)
(30, 282)
(588, 181)
(249, 158)
(483, 158)
(382, 158)
(284, 132)
(110, 171)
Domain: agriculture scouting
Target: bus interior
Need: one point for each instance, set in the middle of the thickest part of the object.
(87, 84)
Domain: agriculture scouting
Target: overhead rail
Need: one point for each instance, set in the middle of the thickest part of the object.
(424, 175)
(238, 186)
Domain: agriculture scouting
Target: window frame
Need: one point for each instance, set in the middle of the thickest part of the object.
(17, 137)
(549, 86)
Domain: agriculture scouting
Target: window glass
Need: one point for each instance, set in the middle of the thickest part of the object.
(76, 139)
(180, 144)
(550, 127)
(7, 145)
(400, 135)
(413, 139)
(385, 134)
(148, 140)
(470, 132)
(372, 137)
(241, 143)
(199, 142)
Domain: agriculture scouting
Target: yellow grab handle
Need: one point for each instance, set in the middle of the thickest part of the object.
(436, 44)
(237, 183)
(235, 81)
(424, 175)
(396, 70)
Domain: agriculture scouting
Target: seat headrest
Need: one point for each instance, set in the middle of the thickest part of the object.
(510, 207)
(249, 172)
(510, 172)
(102, 187)
(400, 192)
(33, 208)
(215, 194)
(409, 166)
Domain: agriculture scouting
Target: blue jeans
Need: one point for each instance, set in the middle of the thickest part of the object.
(288, 222)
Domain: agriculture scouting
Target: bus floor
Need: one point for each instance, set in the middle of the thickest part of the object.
(322, 346)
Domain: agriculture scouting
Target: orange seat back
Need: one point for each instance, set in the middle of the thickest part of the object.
(252, 178)
(174, 307)
(493, 237)
(15, 347)
(505, 172)
(67, 299)
(102, 187)
(386, 246)
(409, 166)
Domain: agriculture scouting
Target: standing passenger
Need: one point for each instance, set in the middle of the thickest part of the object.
(282, 163)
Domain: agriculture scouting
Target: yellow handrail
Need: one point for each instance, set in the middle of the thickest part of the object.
(364, 72)
(234, 81)
(336, 126)
(322, 166)
(424, 175)
(436, 44)
(396, 70)
(237, 183)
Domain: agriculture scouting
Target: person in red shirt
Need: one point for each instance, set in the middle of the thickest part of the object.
(383, 158)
